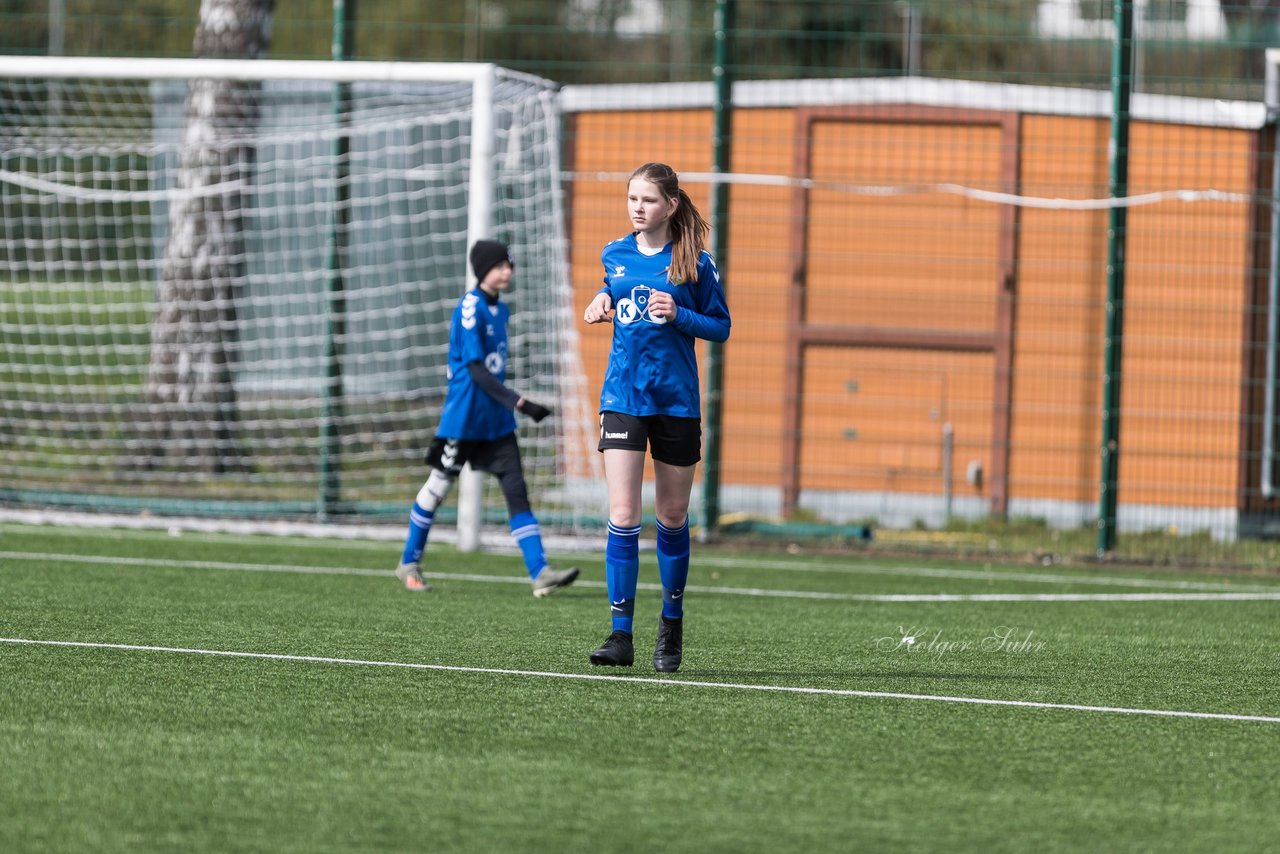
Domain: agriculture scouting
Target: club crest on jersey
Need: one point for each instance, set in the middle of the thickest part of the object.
(636, 307)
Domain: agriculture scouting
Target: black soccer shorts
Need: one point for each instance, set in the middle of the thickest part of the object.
(496, 457)
(671, 440)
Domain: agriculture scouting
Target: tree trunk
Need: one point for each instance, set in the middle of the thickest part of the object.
(190, 395)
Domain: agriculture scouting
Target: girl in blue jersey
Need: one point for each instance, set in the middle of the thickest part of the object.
(661, 291)
(477, 425)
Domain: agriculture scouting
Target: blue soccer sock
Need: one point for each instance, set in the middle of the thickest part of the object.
(423, 514)
(621, 571)
(673, 567)
(415, 544)
(528, 536)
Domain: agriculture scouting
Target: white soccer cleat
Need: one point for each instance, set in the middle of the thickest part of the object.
(411, 575)
(553, 579)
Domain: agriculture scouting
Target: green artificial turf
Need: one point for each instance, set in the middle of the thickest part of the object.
(522, 749)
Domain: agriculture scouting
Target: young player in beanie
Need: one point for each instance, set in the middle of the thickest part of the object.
(478, 426)
(487, 254)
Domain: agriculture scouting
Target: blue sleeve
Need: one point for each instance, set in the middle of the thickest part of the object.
(470, 334)
(607, 285)
(711, 318)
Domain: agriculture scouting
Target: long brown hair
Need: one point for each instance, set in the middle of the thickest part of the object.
(689, 228)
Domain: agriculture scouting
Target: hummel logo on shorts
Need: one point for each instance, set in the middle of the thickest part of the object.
(615, 435)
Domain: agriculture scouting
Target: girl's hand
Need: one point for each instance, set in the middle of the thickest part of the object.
(662, 306)
(600, 310)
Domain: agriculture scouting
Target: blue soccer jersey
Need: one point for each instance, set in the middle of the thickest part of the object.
(653, 369)
(477, 332)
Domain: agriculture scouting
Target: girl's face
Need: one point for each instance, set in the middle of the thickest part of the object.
(650, 211)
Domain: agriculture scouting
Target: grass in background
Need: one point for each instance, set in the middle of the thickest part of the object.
(112, 749)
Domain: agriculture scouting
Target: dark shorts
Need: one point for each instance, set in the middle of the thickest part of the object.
(671, 440)
(496, 457)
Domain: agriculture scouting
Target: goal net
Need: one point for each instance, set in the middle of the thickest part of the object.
(225, 286)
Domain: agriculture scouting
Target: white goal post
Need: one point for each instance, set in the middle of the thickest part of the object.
(225, 285)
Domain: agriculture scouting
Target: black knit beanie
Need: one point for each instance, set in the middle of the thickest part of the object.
(486, 255)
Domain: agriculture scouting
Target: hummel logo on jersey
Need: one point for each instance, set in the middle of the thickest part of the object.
(619, 271)
(615, 435)
(469, 311)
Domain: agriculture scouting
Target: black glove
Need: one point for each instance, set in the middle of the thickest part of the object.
(536, 411)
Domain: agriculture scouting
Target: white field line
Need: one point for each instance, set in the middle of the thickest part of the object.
(1217, 595)
(987, 597)
(110, 560)
(321, 534)
(691, 683)
(1243, 596)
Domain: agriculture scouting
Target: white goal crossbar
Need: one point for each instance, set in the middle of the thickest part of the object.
(153, 68)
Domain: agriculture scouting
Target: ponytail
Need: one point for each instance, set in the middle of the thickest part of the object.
(689, 233)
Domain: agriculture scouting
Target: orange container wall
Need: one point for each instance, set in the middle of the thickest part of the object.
(871, 418)
(1060, 314)
(758, 287)
(917, 260)
(1184, 294)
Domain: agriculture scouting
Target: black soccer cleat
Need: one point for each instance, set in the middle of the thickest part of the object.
(670, 646)
(616, 651)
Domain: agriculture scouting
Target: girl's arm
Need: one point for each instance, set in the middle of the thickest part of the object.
(711, 319)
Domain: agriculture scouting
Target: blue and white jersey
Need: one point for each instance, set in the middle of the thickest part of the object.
(477, 332)
(653, 369)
